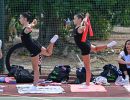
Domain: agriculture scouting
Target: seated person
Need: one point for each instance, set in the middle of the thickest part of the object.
(124, 61)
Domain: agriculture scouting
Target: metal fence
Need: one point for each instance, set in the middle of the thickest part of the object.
(56, 17)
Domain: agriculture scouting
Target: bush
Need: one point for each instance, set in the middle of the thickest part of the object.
(102, 28)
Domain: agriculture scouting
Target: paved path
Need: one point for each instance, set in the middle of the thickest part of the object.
(48, 98)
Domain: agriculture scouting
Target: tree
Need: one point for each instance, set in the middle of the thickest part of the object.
(104, 14)
(14, 7)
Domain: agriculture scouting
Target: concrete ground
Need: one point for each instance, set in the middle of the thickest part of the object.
(112, 91)
(58, 98)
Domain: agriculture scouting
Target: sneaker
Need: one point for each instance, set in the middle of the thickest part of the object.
(54, 39)
(111, 44)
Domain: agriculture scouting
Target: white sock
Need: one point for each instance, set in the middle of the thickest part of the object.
(111, 44)
(55, 37)
(0, 44)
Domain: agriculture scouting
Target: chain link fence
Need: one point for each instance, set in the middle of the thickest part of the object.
(109, 18)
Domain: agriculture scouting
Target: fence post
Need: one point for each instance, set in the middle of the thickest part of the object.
(2, 16)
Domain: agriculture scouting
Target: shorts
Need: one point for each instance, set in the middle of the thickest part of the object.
(35, 52)
(85, 47)
(34, 48)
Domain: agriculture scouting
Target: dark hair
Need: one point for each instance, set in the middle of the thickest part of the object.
(80, 16)
(125, 50)
(29, 16)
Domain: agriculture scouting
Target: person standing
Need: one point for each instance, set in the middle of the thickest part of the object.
(35, 48)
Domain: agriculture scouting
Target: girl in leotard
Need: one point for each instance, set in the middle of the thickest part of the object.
(35, 48)
(86, 46)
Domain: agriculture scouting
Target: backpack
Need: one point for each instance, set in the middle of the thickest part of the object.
(81, 75)
(20, 74)
(110, 72)
(60, 73)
